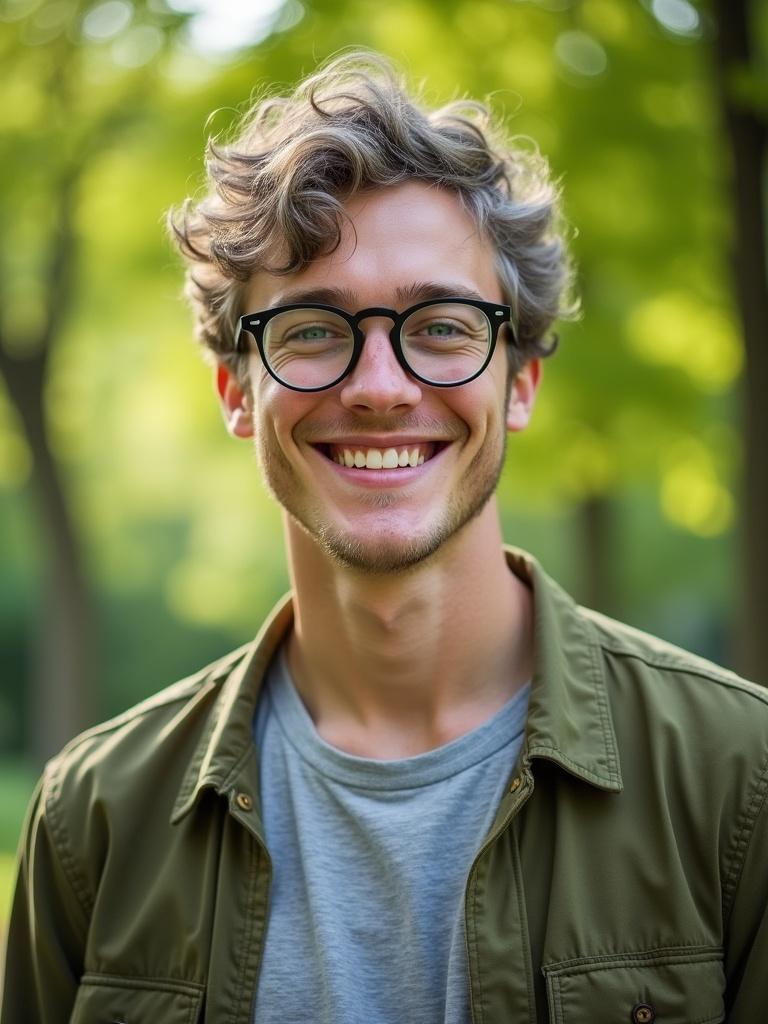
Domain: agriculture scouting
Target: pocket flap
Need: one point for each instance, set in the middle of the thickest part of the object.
(108, 1000)
(669, 988)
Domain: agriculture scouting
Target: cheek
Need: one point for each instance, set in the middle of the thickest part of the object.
(500, 364)
(279, 412)
(481, 404)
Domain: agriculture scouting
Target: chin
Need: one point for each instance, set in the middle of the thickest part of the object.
(378, 555)
(371, 546)
(382, 551)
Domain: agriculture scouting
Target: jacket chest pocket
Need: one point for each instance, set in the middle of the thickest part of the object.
(674, 987)
(109, 1000)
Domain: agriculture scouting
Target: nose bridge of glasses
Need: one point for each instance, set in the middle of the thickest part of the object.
(380, 351)
(375, 313)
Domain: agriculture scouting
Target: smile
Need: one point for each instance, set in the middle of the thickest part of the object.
(358, 457)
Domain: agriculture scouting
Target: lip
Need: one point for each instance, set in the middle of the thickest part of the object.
(378, 478)
(380, 441)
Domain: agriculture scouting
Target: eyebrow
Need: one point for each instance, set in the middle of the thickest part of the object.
(347, 300)
(422, 290)
(327, 296)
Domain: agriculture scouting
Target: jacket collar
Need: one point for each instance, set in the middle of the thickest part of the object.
(569, 718)
(227, 741)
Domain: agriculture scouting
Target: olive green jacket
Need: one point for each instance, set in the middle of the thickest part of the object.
(625, 878)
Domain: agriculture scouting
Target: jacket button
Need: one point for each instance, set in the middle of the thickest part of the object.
(515, 784)
(243, 801)
(643, 1013)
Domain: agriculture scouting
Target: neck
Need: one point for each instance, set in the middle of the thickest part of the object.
(392, 665)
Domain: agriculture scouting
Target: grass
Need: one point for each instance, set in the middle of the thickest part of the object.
(7, 877)
(16, 784)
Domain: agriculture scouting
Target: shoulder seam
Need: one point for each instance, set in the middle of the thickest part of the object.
(63, 851)
(176, 693)
(715, 675)
(743, 837)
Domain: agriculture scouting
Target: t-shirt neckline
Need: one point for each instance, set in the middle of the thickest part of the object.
(428, 768)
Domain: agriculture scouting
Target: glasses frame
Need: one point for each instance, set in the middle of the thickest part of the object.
(255, 323)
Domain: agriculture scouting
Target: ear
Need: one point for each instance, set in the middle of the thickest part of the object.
(235, 403)
(522, 395)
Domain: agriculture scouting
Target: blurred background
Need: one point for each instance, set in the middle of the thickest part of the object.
(136, 543)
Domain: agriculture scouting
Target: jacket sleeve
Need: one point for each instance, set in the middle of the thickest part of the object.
(46, 932)
(746, 932)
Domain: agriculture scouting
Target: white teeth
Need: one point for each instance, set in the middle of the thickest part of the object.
(378, 458)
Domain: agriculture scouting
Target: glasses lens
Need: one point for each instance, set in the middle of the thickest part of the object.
(308, 348)
(446, 342)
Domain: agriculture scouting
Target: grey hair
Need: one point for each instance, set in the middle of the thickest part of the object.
(277, 192)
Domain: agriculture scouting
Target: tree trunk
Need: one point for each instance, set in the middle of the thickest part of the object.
(748, 136)
(595, 527)
(60, 699)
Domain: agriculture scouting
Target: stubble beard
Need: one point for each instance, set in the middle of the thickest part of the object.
(375, 556)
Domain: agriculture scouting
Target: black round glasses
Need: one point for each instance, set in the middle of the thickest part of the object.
(311, 346)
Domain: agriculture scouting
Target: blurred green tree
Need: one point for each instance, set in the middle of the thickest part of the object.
(103, 113)
(742, 79)
(63, 102)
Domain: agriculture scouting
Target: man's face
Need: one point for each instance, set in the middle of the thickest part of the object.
(398, 245)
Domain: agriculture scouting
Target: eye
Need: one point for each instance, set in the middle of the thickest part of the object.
(440, 329)
(314, 333)
(425, 330)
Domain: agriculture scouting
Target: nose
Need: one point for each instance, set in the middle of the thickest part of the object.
(379, 383)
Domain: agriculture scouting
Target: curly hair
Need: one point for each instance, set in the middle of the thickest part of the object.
(277, 192)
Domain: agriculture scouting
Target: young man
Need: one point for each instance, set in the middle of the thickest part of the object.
(433, 789)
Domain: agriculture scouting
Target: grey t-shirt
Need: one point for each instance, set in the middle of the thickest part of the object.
(370, 861)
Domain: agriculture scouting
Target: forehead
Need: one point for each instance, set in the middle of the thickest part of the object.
(392, 238)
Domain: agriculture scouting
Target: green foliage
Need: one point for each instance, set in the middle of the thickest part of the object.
(16, 784)
(181, 541)
(7, 878)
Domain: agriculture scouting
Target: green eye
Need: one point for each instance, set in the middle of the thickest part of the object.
(312, 333)
(440, 330)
